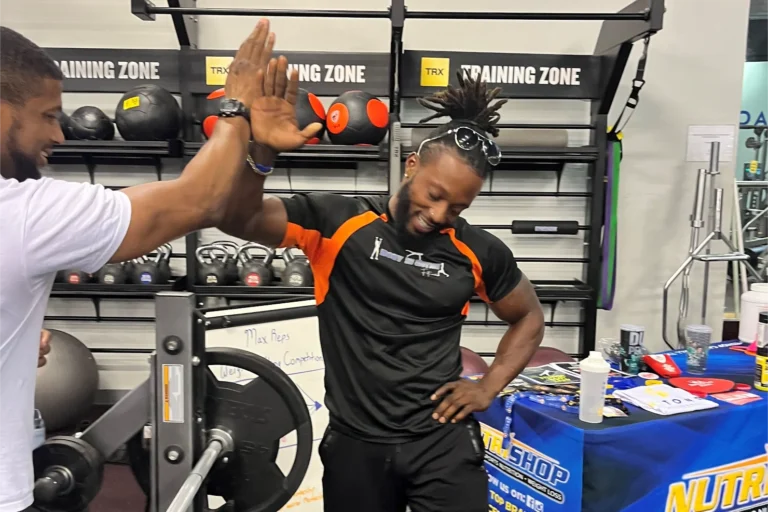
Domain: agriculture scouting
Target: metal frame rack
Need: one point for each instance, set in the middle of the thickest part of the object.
(605, 67)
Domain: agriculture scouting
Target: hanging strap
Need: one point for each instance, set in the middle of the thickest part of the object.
(637, 85)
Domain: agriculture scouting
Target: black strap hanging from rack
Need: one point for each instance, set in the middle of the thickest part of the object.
(634, 96)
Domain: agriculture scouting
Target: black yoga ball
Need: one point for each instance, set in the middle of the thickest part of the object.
(310, 110)
(357, 117)
(66, 386)
(147, 113)
(90, 123)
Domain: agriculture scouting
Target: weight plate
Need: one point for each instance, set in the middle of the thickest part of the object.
(257, 415)
(83, 462)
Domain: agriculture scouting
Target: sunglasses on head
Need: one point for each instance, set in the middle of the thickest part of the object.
(468, 139)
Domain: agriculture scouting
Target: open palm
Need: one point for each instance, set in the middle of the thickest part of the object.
(273, 111)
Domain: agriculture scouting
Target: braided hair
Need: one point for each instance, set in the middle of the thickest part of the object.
(469, 104)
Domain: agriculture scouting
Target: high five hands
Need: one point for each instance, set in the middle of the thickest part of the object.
(262, 83)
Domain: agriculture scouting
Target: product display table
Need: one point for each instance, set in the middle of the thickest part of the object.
(710, 460)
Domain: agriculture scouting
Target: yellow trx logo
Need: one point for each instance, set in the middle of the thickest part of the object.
(216, 69)
(434, 71)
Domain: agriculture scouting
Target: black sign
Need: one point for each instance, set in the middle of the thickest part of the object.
(519, 75)
(115, 70)
(324, 74)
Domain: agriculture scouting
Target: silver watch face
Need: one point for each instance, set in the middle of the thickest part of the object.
(231, 107)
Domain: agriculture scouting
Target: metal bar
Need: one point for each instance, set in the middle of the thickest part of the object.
(188, 491)
(752, 126)
(185, 26)
(535, 194)
(269, 13)
(499, 323)
(755, 184)
(60, 318)
(397, 19)
(620, 31)
(582, 227)
(121, 350)
(176, 436)
(715, 218)
(540, 16)
(521, 126)
(113, 428)
(592, 249)
(551, 260)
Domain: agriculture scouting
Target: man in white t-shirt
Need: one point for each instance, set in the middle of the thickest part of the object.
(47, 225)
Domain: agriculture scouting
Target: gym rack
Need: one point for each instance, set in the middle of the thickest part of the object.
(639, 20)
(205, 434)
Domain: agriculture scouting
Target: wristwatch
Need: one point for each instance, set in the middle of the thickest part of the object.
(230, 107)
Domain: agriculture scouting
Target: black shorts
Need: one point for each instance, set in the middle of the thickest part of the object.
(442, 471)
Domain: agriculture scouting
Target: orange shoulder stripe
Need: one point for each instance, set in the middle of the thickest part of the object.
(477, 269)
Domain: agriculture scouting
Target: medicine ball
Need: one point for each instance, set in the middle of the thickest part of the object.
(147, 113)
(90, 123)
(357, 117)
(472, 364)
(310, 110)
(65, 128)
(66, 386)
(211, 111)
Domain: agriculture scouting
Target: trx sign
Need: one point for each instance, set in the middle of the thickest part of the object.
(519, 75)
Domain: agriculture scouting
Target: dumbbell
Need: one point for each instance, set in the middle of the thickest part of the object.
(211, 265)
(231, 264)
(255, 271)
(297, 271)
(74, 276)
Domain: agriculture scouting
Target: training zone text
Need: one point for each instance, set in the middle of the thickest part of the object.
(110, 70)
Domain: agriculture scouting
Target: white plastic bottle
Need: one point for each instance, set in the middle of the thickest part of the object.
(594, 377)
(752, 303)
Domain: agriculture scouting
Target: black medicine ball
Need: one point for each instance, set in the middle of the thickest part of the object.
(310, 110)
(148, 113)
(357, 117)
(65, 129)
(90, 123)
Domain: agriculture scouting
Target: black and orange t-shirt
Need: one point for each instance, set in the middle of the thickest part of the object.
(391, 308)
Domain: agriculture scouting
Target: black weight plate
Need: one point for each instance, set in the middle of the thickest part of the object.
(82, 460)
(257, 415)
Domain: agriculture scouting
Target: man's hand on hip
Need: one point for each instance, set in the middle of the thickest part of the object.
(45, 347)
(460, 399)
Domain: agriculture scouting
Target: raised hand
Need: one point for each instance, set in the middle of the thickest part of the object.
(273, 111)
(253, 55)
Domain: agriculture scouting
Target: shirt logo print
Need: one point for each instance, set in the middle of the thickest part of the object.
(413, 258)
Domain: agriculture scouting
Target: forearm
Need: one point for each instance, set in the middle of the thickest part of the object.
(516, 348)
(212, 176)
(166, 210)
(245, 204)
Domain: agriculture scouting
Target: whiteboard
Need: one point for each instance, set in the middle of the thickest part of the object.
(294, 347)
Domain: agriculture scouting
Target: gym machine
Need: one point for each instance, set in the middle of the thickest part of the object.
(706, 191)
(208, 436)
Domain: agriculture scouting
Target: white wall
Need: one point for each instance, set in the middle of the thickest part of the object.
(693, 78)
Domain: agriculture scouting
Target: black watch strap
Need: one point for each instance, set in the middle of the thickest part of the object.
(230, 107)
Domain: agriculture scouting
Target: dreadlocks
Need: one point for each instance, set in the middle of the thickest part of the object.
(470, 102)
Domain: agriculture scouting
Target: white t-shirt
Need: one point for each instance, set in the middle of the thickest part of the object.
(46, 225)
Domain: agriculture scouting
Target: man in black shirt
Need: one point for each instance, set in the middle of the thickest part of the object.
(393, 280)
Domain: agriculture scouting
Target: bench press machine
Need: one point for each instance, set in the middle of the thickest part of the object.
(208, 437)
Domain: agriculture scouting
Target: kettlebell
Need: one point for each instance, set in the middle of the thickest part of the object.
(114, 273)
(164, 263)
(211, 265)
(145, 270)
(255, 271)
(297, 271)
(231, 264)
(74, 276)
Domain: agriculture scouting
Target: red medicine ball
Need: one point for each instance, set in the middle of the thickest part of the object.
(357, 117)
(310, 110)
(211, 111)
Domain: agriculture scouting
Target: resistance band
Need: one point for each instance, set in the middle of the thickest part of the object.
(610, 224)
